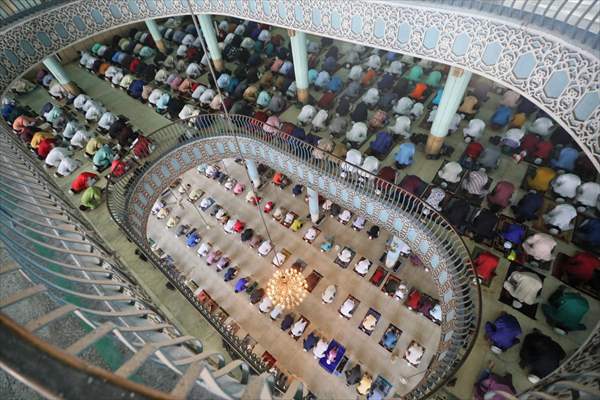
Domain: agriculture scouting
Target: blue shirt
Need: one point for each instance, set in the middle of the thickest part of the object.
(514, 233)
(590, 230)
(335, 84)
(390, 339)
(241, 284)
(438, 97)
(163, 101)
(223, 81)
(502, 116)
(192, 239)
(312, 75)
(566, 159)
(529, 205)
(322, 79)
(405, 154)
(310, 341)
(503, 332)
(103, 157)
(263, 98)
(329, 64)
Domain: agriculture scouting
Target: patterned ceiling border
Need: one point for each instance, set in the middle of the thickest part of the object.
(562, 79)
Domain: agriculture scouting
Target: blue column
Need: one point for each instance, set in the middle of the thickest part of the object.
(253, 172)
(56, 69)
(210, 36)
(155, 33)
(454, 90)
(313, 204)
(300, 60)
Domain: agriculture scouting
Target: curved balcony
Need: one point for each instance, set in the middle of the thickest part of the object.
(432, 238)
(559, 76)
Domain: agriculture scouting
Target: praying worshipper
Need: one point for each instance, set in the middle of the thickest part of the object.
(357, 134)
(91, 198)
(205, 98)
(588, 233)
(566, 185)
(57, 91)
(93, 110)
(369, 322)
(80, 138)
(38, 137)
(414, 353)
(416, 111)
(106, 120)
(44, 147)
(456, 212)
(542, 126)
(489, 384)
(560, 218)
(528, 207)
(347, 307)
(365, 384)
(587, 195)
(93, 145)
(540, 247)
(485, 264)
(484, 224)
(469, 105)
(471, 154)
(451, 172)
(524, 287)
(501, 117)
(565, 310)
(540, 181)
(22, 123)
(540, 355)
(56, 155)
(66, 166)
(510, 99)
(83, 181)
(329, 294)
(142, 147)
(566, 159)
(511, 140)
(320, 348)
(474, 130)
(405, 155)
(373, 232)
(499, 198)
(337, 125)
(310, 341)
(504, 332)
(310, 234)
(402, 126)
(371, 97)
(103, 158)
(579, 269)
(241, 284)
(319, 120)
(490, 157)
(306, 114)
(436, 196)
(322, 80)
(80, 100)
(403, 106)
(353, 375)
(355, 73)
(360, 112)
(299, 327)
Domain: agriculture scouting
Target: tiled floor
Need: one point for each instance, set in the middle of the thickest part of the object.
(144, 118)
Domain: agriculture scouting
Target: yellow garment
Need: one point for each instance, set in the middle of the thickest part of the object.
(296, 225)
(468, 105)
(541, 180)
(38, 137)
(93, 145)
(518, 120)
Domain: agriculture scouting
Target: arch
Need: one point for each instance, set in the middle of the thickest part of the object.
(575, 105)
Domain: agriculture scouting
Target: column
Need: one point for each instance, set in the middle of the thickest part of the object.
(454, 90)
(300, 60)
(313, 204)
(155, 33)
(57, 70)
(253, 172)
(210, 36)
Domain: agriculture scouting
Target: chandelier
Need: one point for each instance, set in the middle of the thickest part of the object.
(287, 288)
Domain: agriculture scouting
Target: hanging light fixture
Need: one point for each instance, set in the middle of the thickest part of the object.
(287, 288)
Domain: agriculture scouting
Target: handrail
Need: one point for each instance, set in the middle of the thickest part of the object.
(460, 270)
(15, 10)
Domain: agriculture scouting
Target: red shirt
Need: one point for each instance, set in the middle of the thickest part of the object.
(326, 100)
(529, 142)
(141, 148)
(81, 181)
(45, 146)
(411, 183)
(485, 264)
(117, 168)
(419, 91)
(543, 150)
(581, 267)
(474, 150)
(413, 300)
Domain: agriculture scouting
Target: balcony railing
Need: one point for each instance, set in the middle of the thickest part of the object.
(14, 10)
(465, 304)
(575, 19)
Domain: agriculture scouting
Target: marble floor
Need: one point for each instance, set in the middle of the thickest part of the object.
(176, 306)
(325, 319)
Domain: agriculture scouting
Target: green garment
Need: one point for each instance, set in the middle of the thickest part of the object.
(434, 78)
(146, 52)
(415, 73)
(92, 197)
(96, 47)
(566, 310)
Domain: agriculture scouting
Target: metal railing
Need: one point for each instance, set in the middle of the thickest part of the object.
(71, 266)
(575, 19)
(454, 255)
